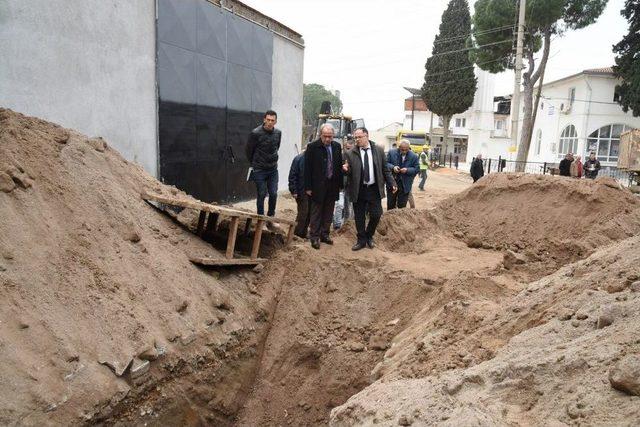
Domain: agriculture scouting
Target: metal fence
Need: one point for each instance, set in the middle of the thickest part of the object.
(623, 177)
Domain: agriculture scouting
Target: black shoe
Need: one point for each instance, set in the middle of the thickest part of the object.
(326, 240)
(315, 244)
(370, 243)
(358, 246)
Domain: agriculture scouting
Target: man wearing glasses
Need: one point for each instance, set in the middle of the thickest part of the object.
(367, 173)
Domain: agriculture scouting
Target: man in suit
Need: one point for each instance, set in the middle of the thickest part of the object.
(367, 173)
(322, 183)
(404, 164)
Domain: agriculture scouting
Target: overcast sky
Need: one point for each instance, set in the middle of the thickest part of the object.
(370, 49)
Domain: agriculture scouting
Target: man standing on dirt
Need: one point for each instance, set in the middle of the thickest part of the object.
(404, 164)
(424, 166)
(322, 183)
(367, 173)
(477, 168)
(296, 188)
(262, 153)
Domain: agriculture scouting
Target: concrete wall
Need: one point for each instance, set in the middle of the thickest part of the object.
(85, 64)
(286, 96)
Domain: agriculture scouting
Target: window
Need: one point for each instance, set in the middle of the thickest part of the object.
(616, 94)
(568, 141)
(606, 142)
(572, 96)
(440, 122)
(461, 122)
(499, 124)
(538, 141)
(542, 105)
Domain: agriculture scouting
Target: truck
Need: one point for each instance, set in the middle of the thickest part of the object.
(343, 125)
(417, 139)
(629, 155)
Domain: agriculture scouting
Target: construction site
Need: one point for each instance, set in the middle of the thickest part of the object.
(140, 287)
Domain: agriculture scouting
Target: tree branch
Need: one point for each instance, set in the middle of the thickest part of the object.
(545, 56)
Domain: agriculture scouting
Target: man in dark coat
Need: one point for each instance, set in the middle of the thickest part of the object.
(477, 169)
(565, 165)
(367, 174)
(296, 188)
(591, 166)
(322, 183)
(404, 164)
(262, 153)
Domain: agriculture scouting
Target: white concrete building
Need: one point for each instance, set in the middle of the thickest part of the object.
(174, 85)
(579, 114)
(386, 135)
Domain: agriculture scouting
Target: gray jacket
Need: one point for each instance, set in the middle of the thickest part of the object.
(380, 168)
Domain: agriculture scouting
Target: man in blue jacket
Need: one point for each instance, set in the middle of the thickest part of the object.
(296, 188)
(404, 164)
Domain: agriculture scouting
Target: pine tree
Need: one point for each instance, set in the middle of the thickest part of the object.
(449, 82)
(628, 60)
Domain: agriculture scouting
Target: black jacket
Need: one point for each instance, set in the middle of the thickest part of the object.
(565, 167)
(383, 175)
(262, 148)
(588, 173)
(296, 175)
(477, 169)
(315, 171)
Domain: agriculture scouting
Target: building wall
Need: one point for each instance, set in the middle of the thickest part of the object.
(288, 59)
(87, 65)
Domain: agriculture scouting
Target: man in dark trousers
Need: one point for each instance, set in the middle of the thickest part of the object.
(322, 183)
(367, 173)
(404, 164)
(565, 165)
(477, 169)
(262, 153)
(296, 188)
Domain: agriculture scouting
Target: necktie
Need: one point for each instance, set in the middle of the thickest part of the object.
(329, 162)
(365, 167)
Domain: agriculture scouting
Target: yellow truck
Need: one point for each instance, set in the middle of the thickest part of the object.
(416, 138)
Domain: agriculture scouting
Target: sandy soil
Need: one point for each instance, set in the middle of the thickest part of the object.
(513, 301)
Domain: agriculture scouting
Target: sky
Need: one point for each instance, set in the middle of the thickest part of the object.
(370, 49)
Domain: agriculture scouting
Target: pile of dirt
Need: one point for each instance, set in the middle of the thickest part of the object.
(102, 311)
(571, 358)
(549, 218)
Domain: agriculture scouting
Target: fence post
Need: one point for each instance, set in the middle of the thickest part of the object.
(544, 168)
(450, 156)
(499, 163)
(489, 167)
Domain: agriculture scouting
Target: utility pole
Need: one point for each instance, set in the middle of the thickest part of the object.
(515, 99)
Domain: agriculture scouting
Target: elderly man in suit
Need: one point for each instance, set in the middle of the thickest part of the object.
(323, 180)
(404, 164)
(367, 173)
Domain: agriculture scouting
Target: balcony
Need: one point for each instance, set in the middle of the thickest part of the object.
(499, 133)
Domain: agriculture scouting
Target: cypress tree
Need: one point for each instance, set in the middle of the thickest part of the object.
(628, 60)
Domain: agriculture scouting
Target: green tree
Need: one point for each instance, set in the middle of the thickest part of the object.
(493, 35)
(313, 94)
(627, 63)
(449, 82)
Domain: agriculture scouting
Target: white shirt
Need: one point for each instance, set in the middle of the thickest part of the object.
(372, 174)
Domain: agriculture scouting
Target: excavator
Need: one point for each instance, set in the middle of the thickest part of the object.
(343, 125)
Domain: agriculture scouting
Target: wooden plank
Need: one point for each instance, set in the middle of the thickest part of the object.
(256, 239)
(231, 241)
(201, 218)
(247, 227)
(290, 234)
(212, 222)
(224, 261)
(201, 206)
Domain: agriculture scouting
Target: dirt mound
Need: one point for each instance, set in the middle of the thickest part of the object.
(550, 218)
(100, 303)
(573, 337)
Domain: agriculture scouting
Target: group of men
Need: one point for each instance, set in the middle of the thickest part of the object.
(327, 172)
(573, 166)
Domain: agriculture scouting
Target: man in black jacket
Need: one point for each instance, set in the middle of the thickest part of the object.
(262, 153)
(322, 183)
(367, 175)
(591, 166)
(477, 169)
(296, 188)
(565, 165)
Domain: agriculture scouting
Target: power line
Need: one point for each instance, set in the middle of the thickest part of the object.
(579, 100)
(471, 48)
(402, 100)
(477, 33)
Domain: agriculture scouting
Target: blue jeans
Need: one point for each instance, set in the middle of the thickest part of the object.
(266, 181)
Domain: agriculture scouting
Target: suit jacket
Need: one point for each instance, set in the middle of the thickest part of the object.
(380, 169)
(394, 158)
(315, 171)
